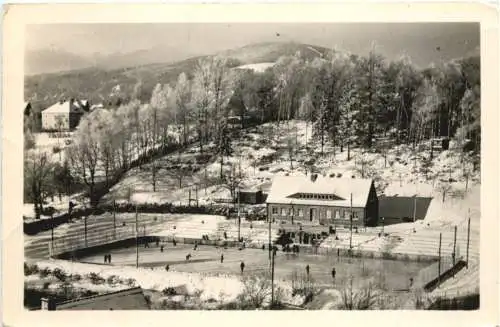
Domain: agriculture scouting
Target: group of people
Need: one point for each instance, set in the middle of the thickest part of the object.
(334, 272)
(107, 258)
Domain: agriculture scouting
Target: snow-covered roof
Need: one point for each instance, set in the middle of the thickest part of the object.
(284, 188)
(66, 107)
(96, 106)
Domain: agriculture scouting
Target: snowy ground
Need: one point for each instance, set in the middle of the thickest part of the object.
(259, 68)
(223, 288)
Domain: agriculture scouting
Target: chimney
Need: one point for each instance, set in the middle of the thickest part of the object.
(48, 304)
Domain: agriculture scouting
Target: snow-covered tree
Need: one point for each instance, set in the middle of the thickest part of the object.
(37, 179)
(183, 110)
(84, 153)
(424, 111)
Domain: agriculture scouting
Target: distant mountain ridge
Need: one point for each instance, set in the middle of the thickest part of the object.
(96, 82)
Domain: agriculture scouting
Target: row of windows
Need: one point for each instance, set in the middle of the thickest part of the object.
(337, 213)
(317, 196)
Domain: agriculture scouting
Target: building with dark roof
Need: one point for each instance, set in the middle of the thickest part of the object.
(398, 209)
(323, 200)
(64, 115)
(129, 299)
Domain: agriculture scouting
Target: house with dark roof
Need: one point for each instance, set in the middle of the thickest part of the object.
(129, 299)
(64, 115)
(321, 200)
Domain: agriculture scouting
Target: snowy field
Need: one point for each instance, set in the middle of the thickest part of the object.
(258, 68)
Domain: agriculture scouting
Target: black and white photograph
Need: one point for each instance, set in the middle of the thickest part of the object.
(252, 166)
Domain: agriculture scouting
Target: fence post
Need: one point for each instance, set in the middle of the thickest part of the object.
(468, 239)
(439, 264)
(85, 223)
(454, 245)
(114, 218)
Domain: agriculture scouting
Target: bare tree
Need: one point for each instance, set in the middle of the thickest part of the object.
(256, 290)
(211, 91)
(59, 127)
(306, 109)
(444, 187)
(37, 179)
(84, 154)
(291, 147)
(467, 172)
(182, 94)
(364, 165)
(423, 112)
(364, 298)
(232, 179)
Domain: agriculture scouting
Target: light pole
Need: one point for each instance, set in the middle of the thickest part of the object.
(269, 238)
(136, 238)
(239, 217)
(52, 230)
(414, 207)
(272, 277)
(350, 238)
(114, 218)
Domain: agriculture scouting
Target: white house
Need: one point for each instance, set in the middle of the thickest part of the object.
(323, 200)
(64, 115)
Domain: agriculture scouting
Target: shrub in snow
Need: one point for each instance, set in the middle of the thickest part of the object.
(169, 291)
(362, 299)
(112, 280)
(75, 277)
(44, 272)
(95, 278)
(131, 282)
(59, 274)
(256, 290)
(30, 269)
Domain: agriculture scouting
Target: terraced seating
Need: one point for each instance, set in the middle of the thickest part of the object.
(359, 241)
(99, 231)
(464, 282)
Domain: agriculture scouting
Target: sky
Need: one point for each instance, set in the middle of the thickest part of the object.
(418, 40)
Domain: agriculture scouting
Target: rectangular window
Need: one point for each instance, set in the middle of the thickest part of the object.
(290, 212)
(355, 215)
(328, 214)
(300, 212)
(283, 211)
(275, 210)
(337, 214)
